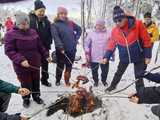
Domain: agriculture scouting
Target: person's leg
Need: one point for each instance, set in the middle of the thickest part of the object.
(25, 80)
(45, 75)
(94, 68)
(104, 69)
(69, 60)
(4, 101)
(118, 75)
(60, 66)
(138, 70)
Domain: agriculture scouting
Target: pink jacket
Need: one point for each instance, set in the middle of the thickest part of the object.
(95, 45)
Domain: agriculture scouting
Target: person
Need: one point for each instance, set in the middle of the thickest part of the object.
(95, 46)
(25, 50)
(151, 27)
(5, 94)
(149, 95)
(9, 24)
(134, 45)
(41, 24)
(66, 34)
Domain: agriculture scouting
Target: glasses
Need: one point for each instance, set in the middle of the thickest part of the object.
(118, 20)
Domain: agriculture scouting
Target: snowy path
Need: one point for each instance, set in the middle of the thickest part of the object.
(113, 109)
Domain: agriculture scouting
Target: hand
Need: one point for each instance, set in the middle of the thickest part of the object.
(147, 61)
(23, 91)
(133, 98)
(25, 64)
(62, 51)
(104, 61)
(24, 118)
(49, 59)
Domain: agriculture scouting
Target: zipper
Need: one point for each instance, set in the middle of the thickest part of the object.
(129, 55)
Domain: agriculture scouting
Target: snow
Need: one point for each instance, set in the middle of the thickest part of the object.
(113, 108)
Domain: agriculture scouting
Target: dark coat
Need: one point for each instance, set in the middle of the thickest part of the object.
(5, 116)
(20, 46)
(66, 35)
(43, 28)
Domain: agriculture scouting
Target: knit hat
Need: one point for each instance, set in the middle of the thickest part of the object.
(38, 4)
(118, 13)
(147, 15)
(61, 10)
(100, 22)
(21, 17)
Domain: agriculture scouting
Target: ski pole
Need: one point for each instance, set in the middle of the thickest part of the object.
(68, 58)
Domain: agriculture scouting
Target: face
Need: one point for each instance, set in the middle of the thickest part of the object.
(120, 22)
(100, 27)
(24, 26)
(40, 13)
(63, 16)
(147, 20)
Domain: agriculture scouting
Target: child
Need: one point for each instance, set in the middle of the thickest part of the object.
(95, 45)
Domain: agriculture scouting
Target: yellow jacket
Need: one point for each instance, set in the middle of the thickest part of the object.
(153, 32)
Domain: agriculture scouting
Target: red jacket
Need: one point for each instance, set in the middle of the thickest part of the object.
(9, 24)
(133, 42)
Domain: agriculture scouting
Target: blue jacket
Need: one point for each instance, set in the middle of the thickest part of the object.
(66, 35)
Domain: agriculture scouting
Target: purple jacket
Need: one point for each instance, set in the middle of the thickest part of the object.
(95, 45)
(20, 46)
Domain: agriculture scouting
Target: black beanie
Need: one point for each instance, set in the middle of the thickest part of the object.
(118, 13)
(38, 4)
(147, 15)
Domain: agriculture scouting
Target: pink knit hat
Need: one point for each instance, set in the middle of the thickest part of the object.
(61, 10)
(100, 22)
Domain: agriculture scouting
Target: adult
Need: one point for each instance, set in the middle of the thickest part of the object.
(40, 22)
(5, 94)
(134, 45)
(66, 34)
(25, 50)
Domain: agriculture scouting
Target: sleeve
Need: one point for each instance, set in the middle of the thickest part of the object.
(5, 116)
(111, 46)
(87, 44)
(149, 95)
(146, 40)
(56, 37)
(42, 49)
(155, 34)
(154, 77)
(10, 50)
(49, 30)
(8, 87)
(78, 31)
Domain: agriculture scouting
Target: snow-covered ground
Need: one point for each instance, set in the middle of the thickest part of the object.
(113, 108)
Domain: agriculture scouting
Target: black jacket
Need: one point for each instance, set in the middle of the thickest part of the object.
(5, 116)
(43, 28)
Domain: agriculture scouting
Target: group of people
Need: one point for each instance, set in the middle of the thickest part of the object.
(28, 42)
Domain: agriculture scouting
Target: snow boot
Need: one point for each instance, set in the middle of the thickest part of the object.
(26, 103)
(38, 100)
(110, 88)
(67, 76)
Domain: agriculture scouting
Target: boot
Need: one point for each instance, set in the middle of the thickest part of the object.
(110, 88)
(26, 103)
(38, 100)
(67, 75)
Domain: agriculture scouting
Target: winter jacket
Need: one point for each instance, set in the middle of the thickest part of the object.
(24, 45)
(153, 31)
(43, 29)
(8, 87)
(66, 35)
(95, 45)
(133, 42)
(9, 24)
(5, 116)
